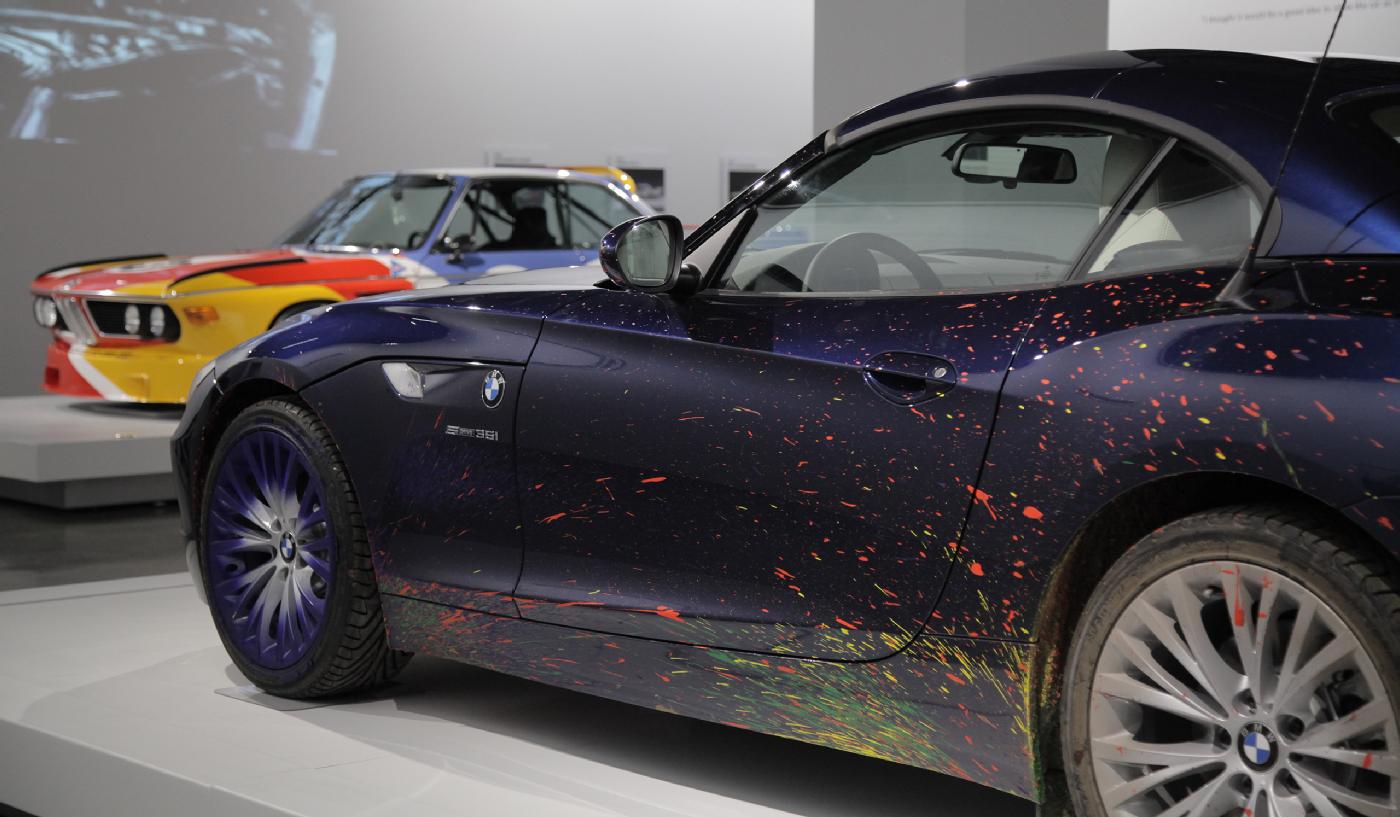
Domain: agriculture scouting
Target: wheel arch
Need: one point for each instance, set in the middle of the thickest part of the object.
(297, 307)
(239, 397)
(1105, 536)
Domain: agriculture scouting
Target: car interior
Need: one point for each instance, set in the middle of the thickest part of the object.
(913, 217)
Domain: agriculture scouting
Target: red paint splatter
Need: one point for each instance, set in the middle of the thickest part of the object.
(1331, 418)
(1227, 388)
(1032, 512)
(976, 569)
(653, 479)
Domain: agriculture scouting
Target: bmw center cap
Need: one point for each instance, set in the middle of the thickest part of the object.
(493, 388)
(1257, 746)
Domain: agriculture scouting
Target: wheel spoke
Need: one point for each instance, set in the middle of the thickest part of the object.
(1242, 622)
(318, 565)
(241, 544)
(1165, 633)
(1118, 685)
(1124, 749)
(1203, 802)
(1283, 806)
(265, 610)
(1317, 670)
(1380, 762)
(1293, 652)
(1322, 790)
(1129, 790)
(237, 503)
(312, 603)
(1222, 681)
(1366, 718)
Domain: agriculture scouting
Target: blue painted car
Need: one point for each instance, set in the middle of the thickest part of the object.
(1038, 428)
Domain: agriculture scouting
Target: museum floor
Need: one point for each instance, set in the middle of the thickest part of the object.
(113, 673)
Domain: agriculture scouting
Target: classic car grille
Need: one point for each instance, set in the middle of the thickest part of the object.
(120, 318)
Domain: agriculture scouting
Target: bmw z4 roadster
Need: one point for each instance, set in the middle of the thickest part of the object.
(1041, 428)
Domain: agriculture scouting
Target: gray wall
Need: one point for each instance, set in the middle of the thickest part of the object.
(173, 166)
(870, 51)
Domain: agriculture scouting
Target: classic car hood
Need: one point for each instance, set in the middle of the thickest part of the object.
(154, 277)
(149, 276)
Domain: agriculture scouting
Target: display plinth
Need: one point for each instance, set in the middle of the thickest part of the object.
(72, 453)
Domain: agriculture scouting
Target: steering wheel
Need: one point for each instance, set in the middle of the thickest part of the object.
(849, 259)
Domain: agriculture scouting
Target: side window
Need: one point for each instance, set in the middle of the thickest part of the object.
(593, 211)
(511, 214)
(1191, 212)
(979, 208)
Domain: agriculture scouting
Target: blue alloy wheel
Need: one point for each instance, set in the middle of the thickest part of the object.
(271, 549)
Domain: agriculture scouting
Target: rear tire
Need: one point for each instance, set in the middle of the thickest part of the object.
(285, 559)
(1298, 720)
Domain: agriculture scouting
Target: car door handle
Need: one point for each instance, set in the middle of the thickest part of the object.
(906, 378)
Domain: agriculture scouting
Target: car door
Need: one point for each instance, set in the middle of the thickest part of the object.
(506, 224)
(783, 462)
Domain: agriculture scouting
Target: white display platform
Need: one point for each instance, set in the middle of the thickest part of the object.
(73, 453)
(111, 704)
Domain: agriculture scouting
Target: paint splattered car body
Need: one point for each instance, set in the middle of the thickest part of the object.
(865, 518)
(137, 329)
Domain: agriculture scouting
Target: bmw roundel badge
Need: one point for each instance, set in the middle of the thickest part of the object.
(1257, 746)
(493, 388)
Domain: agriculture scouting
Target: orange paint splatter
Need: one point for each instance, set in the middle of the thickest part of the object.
(1331, 418)
(1227, 388)
(976, 569)
(1032, 512)
(654, 479)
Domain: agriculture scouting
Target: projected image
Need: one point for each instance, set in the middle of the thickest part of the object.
(73, 71)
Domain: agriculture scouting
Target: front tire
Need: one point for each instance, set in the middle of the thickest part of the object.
(285, 559)
(1237, 662)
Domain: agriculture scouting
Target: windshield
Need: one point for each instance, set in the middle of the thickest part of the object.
(374, 213)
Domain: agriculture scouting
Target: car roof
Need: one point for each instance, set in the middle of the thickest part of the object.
(1241, 107)
(1231, 74)
(495, 173)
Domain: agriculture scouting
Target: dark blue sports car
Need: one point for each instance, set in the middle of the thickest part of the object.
(1041, 428)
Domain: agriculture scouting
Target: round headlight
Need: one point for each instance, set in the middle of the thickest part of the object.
(157, 320)
(46, 312)
(131, 319)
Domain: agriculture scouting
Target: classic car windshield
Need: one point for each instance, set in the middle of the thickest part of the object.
(375, 213)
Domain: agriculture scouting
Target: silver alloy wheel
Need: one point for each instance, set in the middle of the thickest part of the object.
(1225, 689)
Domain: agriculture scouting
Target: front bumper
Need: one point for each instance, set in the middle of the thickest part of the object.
(152, 373)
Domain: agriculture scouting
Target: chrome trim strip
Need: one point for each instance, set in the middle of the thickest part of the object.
(75, 316)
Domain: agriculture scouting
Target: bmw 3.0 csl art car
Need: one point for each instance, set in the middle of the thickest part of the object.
(1012, 429)
(137, 329)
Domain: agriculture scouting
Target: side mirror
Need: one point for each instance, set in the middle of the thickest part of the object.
(454, 246)
(644, 253)
(1010, 164)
